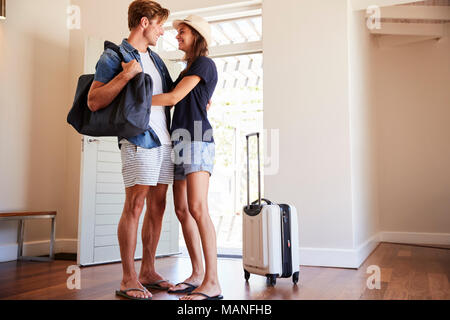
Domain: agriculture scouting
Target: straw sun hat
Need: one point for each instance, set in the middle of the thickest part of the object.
(198, 23)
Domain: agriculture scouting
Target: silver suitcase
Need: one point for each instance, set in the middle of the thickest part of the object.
(270, 235)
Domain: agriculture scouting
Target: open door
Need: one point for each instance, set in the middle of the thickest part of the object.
(102, 195)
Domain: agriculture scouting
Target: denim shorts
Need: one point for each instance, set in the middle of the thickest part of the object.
(194, 156)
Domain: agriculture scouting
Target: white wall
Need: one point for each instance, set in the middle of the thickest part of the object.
(363, 131)
(317, 92)
(306, 97)
(362, 47)
(413, 111)
(34, 64)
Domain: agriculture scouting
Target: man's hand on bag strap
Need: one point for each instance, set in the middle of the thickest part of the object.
(131, 69)
(102, 94)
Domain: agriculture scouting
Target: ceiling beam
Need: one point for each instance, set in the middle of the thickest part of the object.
(416, 12)
(250, 22)
(411, 29)
(222, 32)
(236, 49)
(364, 4)
(387, 41)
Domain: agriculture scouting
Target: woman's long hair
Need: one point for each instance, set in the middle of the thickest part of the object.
(199, 48)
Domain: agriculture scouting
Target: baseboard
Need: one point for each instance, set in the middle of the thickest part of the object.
(338, 258)
(8, 252)
(353, 258)
(416, 237)
(37, 248)
(365, 249)
(323, 257)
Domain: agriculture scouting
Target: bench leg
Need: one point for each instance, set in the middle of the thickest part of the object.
(52, 240)
(20, 239)
(20, 255)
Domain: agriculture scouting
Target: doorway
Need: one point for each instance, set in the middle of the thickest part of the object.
(237, 110)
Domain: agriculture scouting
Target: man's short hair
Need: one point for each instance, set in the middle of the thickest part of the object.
(145, 8)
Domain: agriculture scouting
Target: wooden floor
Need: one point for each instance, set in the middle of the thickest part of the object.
(407, 272)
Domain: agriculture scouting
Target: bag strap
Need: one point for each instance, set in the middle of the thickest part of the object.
(114, 47)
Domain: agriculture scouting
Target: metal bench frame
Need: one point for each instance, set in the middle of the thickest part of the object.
(20, 237)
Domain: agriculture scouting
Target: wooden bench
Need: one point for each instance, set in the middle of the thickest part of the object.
(22, 216)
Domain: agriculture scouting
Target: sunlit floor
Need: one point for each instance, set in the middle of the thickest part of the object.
(407, 272)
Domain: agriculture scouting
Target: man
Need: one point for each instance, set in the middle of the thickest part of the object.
(146, 159)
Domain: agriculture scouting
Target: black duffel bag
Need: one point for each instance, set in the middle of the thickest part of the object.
(127, 116)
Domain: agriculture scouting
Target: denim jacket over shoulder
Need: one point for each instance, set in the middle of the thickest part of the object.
(109, 66)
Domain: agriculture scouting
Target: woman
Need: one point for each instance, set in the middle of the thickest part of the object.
(194, 156)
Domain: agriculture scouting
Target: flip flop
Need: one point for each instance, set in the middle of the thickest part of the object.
(219, 297)
(123, 293)
(156, 285)
(189, 289)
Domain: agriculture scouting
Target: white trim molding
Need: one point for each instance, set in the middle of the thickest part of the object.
(338, 258)
(319, 257)
(416, 237)
(8, 252)
(354, 258)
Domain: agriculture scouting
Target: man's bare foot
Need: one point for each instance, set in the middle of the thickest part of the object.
(211, 289)
(124, 285)
(154, 278)
(195, 280)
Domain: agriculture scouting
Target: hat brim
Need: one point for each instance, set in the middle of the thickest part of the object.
(176, 24)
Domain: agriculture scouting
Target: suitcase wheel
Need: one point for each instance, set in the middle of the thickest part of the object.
(246, 275)
(271, 279)
(295, 277)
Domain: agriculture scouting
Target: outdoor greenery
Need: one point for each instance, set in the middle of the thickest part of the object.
(235, 113)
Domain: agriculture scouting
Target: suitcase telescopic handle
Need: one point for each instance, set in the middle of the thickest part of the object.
(248, 170)
(263, 199)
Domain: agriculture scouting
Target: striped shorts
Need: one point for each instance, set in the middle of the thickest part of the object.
(146, 167)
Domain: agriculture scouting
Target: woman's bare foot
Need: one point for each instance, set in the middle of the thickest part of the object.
(210, 288)
(195, 280)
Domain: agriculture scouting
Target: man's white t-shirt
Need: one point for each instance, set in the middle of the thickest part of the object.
(158, 120)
